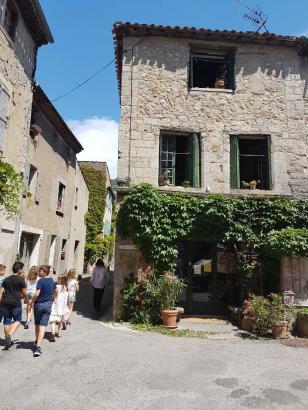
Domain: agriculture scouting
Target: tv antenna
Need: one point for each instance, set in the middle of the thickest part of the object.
(255, 16)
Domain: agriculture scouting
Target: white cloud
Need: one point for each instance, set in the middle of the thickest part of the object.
(99, 138)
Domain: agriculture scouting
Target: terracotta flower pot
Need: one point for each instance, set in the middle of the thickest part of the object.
(281, 330)
(246, 324)
(169, 317)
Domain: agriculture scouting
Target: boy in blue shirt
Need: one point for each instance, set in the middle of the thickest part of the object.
(46, 291)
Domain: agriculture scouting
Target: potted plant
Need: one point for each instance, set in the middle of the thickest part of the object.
(170, 286)
(253, 184)
(279, 324)
(246, 322)
(302, 321)
(186, 184)
(258, 311)
(164, 178)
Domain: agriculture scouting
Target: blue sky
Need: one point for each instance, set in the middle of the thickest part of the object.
(83, 44)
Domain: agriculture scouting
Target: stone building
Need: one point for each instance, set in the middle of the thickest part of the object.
(52, 221)
(23, 29)
(110, 197)
(208, 111)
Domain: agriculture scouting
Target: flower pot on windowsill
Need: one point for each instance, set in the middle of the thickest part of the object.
(281, 330)
(220, 83)
(169, 318)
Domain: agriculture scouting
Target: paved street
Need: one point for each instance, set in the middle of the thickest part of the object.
(96, 367)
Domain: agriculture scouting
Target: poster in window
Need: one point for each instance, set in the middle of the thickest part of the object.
(225, 262)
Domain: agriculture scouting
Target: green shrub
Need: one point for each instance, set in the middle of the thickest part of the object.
(302, 312)
(147, 293)
(11, 189)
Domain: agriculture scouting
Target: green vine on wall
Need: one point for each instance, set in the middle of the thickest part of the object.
(156, 221)
(96, 181)
(11, 189)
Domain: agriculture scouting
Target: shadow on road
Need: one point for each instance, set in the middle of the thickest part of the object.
(84, 303)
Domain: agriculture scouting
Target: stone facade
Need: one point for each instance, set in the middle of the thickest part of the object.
(55, 232)
(17, 65)
(270, 98)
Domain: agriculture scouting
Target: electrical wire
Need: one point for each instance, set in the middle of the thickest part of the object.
(84, 82)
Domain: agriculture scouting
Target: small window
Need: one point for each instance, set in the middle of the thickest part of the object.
(32, 182)
(61, 194)
(180, 160)
(210, 70)
(4, 101)
(251, 162)
(76, 198)
(10, 19)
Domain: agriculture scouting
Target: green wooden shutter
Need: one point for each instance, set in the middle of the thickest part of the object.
(231, 70)
(194, 160)
(269, 163)
(234, 163)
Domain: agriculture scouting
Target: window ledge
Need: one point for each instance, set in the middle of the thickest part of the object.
(260, 192)
(189, 190)
(213, 90)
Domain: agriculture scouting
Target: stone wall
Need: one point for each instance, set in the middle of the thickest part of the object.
(270, 98)
(14, 150)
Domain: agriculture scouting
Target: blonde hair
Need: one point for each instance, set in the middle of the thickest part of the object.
(62, 281)
(33, 273)
(71, 274)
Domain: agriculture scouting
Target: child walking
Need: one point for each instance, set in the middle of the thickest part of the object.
(59, 308)
(31, 281)
(73, 288)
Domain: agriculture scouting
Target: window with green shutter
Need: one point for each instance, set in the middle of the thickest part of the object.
(179, 162)
(250, 162)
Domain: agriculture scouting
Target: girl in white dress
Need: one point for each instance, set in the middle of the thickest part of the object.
(73, 288)
(31, 281)
(59, 308)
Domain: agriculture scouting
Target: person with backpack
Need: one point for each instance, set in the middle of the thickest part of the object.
(12, 290)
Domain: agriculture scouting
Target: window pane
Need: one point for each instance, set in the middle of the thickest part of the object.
(4, 100)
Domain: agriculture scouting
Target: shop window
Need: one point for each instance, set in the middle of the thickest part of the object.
(10, 19)
(213, 70)
(251, 162)
(180, 160)
(61, 195)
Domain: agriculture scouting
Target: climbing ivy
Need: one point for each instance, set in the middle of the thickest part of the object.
(96, 182)
(11, 189)
(156, 221)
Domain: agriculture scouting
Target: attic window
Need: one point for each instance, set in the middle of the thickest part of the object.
(212, 70)
(10, 19)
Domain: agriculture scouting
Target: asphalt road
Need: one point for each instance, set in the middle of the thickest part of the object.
(96, 367)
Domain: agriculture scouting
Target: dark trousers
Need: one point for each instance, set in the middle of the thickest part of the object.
(97, 299)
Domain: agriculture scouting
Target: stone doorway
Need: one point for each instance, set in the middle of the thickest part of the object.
(211, 285)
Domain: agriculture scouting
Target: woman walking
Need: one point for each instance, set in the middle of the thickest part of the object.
(31, 281)
(98, 283)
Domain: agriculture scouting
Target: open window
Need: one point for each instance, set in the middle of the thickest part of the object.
(180, 160)
(60, 200)
(251, 162)
(211, 69)
(10, 18)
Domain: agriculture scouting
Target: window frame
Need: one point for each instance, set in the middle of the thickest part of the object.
(3, 113)
(235, 171)
(11, 30)
(60, 208)
(229, 55)
(193, 160)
